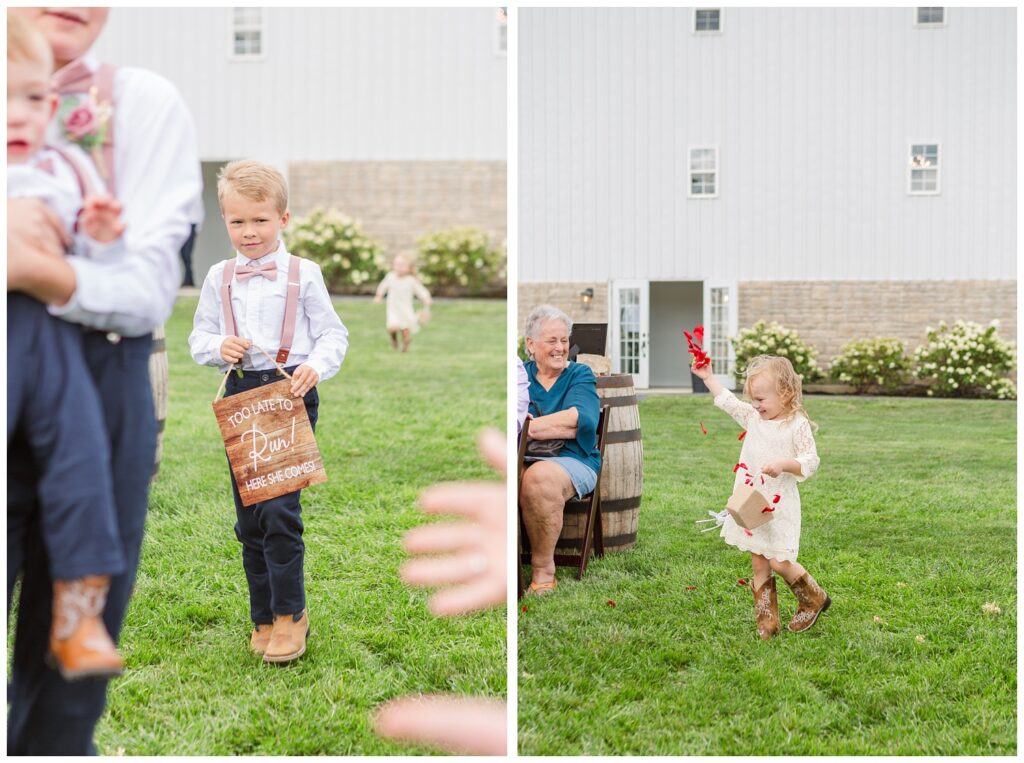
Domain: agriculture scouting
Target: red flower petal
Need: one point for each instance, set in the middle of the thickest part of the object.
(611, 603)
(749, 534)
(741, 581)
(742, 435)
(702, 428)
(525, 609)
(689, 337)
(762, 479)
(698, 333)
(691, 588)
(776, 498)
(737, 467)
(766, 509)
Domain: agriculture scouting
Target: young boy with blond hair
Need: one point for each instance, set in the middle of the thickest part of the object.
(262, 309)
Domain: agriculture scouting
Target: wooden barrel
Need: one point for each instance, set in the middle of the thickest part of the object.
(622, 475)
(158, 373)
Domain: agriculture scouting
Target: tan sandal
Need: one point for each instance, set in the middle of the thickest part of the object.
(542, 589)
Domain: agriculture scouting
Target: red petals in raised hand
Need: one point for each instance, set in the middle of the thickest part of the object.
(694, 342)
(611, 602)
(703, 429)
(742, 435)
(741, 581)
(737, 467)
(776, 498)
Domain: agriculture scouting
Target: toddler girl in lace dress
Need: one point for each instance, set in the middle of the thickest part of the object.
(778, 450)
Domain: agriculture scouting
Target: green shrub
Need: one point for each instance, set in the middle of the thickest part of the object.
(460, 261)
(966, 360)
(773, 339)
(350, 261)
(881, 361)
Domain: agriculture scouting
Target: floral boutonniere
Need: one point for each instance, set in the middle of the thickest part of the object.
(84, 121)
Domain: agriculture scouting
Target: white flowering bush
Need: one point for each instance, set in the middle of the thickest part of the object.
(350, 261)
(881, 361)
(773, 339)
(460, 261)
(967, 360)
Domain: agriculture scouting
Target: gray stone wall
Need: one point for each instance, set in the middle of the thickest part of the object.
(399, 201)
(828, 314)
(565, 296)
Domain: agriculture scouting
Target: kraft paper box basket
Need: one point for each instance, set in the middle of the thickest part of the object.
(269, 442)
(747, 507)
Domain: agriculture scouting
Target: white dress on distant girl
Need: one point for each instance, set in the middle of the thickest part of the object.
(767, 441)
(400, 290)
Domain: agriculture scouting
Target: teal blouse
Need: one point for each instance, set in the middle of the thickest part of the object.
(575, 387)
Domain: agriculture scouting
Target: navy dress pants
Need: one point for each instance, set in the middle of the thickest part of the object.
(271, 531)
(55, 423)
(49, 716)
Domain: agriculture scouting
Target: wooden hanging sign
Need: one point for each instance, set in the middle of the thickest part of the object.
(269, 441)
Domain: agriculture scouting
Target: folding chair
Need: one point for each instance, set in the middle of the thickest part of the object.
(519, 485)
(590, 505)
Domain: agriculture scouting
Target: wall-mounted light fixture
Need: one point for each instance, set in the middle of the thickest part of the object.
(586, 296)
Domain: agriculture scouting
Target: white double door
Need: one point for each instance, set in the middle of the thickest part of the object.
(630, 320)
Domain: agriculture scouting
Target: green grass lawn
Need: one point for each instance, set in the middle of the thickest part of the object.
(911, 519)
(390, 425)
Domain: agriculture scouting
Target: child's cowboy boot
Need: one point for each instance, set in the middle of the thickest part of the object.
(288, 639)
(812, 599)
(260, 638)
(80, 646)
(766, 605)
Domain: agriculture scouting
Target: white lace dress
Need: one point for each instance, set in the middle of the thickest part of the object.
(768, 441)
(400, 291)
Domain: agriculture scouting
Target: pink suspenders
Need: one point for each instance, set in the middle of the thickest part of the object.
(105, 93)
(291, 305)
(85, 184)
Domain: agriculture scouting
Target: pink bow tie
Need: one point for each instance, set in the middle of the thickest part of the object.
(76, 77)
(268, 271)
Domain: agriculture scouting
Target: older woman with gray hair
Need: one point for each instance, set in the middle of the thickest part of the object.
(562, 459)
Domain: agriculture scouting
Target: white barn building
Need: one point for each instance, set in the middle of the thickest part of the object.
(848, 172)
(395, 116)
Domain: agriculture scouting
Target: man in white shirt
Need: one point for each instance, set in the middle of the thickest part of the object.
(152, 167)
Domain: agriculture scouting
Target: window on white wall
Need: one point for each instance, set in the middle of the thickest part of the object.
(501, 39)
(248, 33)
(703, 172)
(929, 16)
(719, 330)
(707, 20)
(924, 168)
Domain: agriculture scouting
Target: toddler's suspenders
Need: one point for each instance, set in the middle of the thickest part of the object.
(291, 305)
(85, 185)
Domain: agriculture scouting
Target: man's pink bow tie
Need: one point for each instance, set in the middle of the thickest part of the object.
(268, 271)
(76, 77)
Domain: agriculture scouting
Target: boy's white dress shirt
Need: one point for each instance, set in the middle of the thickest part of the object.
(157, 174)
(320, 341)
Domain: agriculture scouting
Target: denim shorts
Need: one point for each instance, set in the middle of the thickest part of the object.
(584, 479)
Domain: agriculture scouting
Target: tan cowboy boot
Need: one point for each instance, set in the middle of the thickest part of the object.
(260, 638)
(766, 606)
(80, 646)
(812, 599)
(288, 639)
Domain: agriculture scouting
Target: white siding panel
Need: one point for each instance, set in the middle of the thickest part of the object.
(335, 84)
(812, 110)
